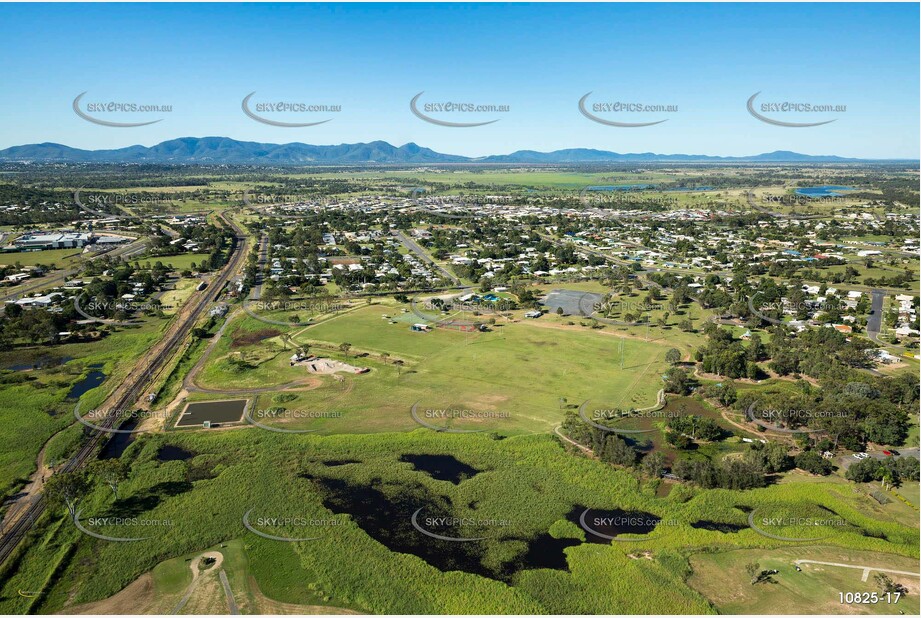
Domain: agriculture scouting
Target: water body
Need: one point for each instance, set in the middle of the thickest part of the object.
(441, 467)
(619, 187)
(613, 522)
(216, 412)
(93, 379)
(384, 511)
(823, 191)
(688, 189)
(171, 452)
(717, 526)
(118, 442)
(41, 362)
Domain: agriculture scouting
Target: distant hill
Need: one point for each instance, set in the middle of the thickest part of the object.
(217, 150)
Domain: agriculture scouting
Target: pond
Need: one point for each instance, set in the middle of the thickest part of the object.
(384, 511)
(717, 526)
(823, 191)
(92, 379)
(612, 522)
(215, 412)
(441, 467)
(171, 452)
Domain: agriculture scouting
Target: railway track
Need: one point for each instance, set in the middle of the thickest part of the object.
(141, 377)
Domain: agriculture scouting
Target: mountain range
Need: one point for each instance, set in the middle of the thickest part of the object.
(224, 150)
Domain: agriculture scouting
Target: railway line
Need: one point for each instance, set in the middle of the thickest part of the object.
(140, 378)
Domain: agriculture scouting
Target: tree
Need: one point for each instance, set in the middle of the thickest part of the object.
(887, 586)
(810, 461)
(344, 348)
(677, 381)
(673, 356)
(111, 472)
(752, 568)
(653, 464)
(66, 489)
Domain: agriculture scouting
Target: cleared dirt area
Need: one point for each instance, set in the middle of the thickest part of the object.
(327, 366)
(253, 337)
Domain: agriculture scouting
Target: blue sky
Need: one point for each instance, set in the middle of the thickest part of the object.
(538, 59)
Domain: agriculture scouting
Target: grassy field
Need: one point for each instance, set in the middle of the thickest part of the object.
(721, 577)
(173, 299)
(57, 257)
(530, 482)
(178, 262)
(34, 404)
(492, 373)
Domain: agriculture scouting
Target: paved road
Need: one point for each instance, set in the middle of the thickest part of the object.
(423, 255)
(58, 277)
(875, 321)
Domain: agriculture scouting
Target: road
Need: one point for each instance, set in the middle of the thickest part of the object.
(231, 602)
(59, 277)
(875, 321)
(424, 255)
(144, 374)
(866, 569)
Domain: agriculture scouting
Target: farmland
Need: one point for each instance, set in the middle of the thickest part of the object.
(478, 353)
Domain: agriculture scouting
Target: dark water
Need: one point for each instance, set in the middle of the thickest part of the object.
(441, 467)
(384, 511)
(217, 412)
(717, 526)
(612, 522)
(117, 444)
(93, 379)
(171, 452)
(41, 362)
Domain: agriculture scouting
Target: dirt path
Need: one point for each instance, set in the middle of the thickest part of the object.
(19, 503)
(582, 329)
(196, 574)
(587, 450)
(866, 569)
(231, 602)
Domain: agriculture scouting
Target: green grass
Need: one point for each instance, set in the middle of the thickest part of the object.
(529, 480)
(57, 257)
(519, 369)
(34, 407)
(178, 262)
(814, 590)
